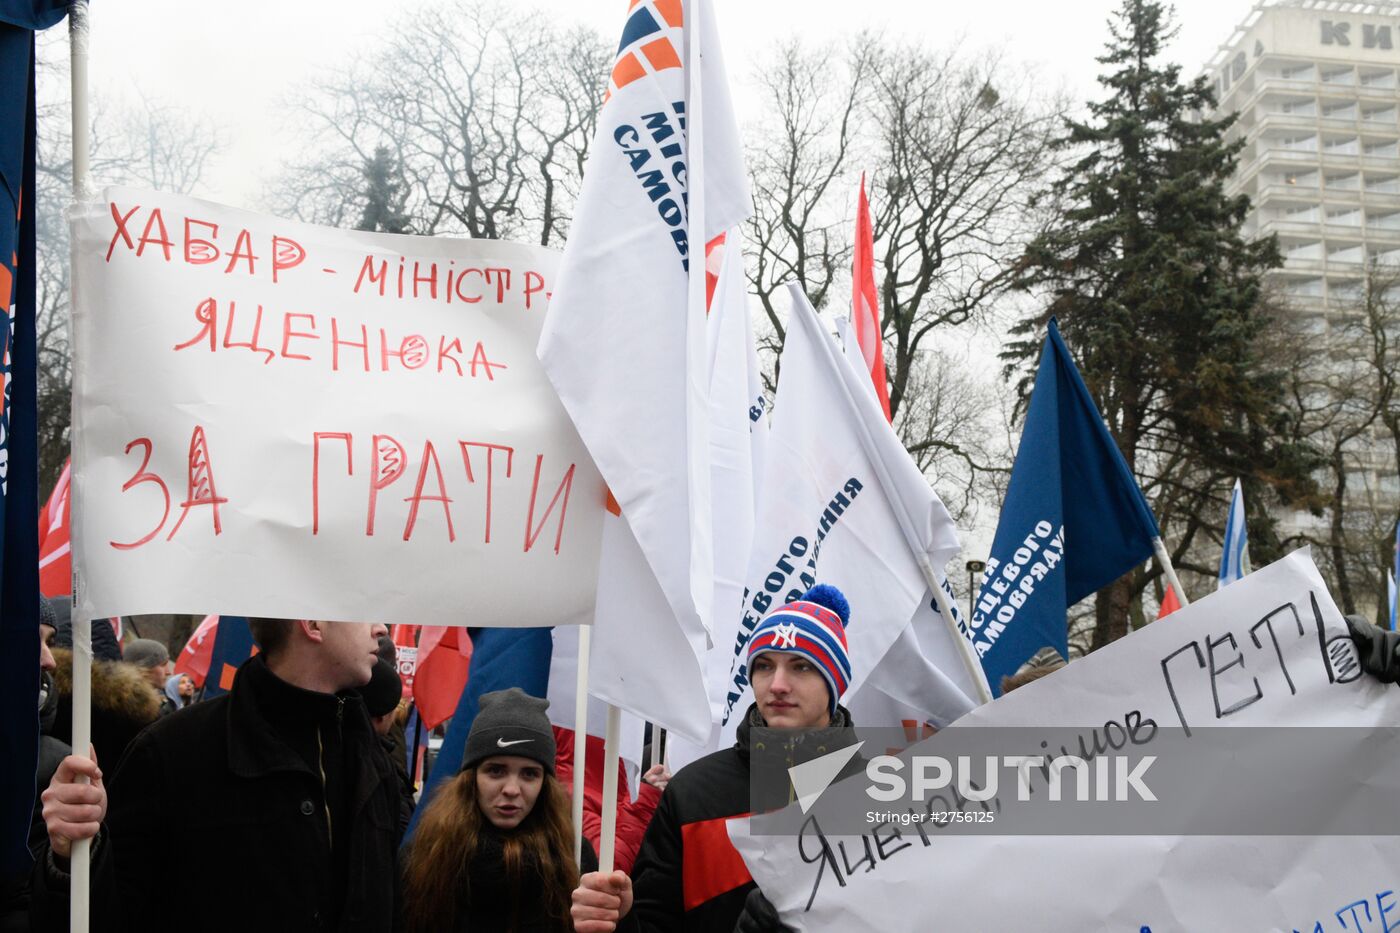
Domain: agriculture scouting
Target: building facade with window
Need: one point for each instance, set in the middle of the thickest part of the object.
(1316, 86)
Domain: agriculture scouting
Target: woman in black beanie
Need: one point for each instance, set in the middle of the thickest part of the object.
(494, 849)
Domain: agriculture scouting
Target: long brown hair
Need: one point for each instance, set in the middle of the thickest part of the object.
(437, 870)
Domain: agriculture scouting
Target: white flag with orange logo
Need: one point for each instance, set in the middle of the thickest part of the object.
(625, 351)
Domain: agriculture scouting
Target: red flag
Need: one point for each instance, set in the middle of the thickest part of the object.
(865, 301)
(406, 641)
(714, 262)
(55, 557)
(444, 656)
(1169, 604)
(195, 656)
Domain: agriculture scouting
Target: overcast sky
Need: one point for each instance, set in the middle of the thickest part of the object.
(234, 61)
(237, 62)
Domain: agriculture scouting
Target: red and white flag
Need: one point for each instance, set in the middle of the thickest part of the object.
(195, 657)
(1169, 603)
(865, 302)
(55, 554)
(442, 662)
(624, 344)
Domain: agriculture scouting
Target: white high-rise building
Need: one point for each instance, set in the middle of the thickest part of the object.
(1314, 83)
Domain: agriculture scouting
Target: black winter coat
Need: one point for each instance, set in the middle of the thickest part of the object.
(494, 906)
(216, 817)
(688, 876)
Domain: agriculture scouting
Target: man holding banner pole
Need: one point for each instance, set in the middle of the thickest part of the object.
(281, 777)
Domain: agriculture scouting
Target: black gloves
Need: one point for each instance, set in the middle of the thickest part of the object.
(759, 916)
(1379, 650)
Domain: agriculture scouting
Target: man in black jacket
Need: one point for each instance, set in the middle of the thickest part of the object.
(269, 808)
(688, 876)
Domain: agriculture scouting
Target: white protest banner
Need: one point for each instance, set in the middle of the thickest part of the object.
(278, 419)
(1268, 651)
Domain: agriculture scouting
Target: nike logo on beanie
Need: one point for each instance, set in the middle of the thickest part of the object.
(502, 743)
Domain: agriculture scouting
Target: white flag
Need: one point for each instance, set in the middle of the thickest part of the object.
(923, 676)
(841, 503)
(627, 355)
(738, 438)
(562, 691)
(738, 432)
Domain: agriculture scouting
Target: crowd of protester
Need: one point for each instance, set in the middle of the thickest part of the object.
(293, 789)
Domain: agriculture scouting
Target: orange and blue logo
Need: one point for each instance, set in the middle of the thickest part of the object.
(651, 42)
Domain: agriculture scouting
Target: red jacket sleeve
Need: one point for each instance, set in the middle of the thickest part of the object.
(633, 816)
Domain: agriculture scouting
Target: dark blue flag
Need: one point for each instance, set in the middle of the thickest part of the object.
(33, 14)
(501, 658)
(233, 644)
(19, 471)
(1073, 521)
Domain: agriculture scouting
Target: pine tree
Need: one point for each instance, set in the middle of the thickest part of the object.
(383, 194)
(1158, 296)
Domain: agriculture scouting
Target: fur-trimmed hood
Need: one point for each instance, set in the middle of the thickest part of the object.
(117, 689)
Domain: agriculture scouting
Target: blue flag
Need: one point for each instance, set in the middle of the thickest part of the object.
(32, 14)
(501, 658)
(233, 644)
(1073, 521)
(1234, 558)
(19, 465)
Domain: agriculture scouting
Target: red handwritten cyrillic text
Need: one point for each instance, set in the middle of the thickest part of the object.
(288, 334)
(252, 344)
(390, 464)
(337, 343)
(534, 284)
(490, 469)
(411, 352)
(316, 471)
(532, 531)
(142, 476)
(429, 454)
(200, 243)
(387, 466)
(201, 489)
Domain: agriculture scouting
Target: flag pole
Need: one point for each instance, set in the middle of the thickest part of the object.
(697, 313)
(585, 636)
(417, 721)
(945, 611)
(1164, 559)
(79, 861)
(607, 837)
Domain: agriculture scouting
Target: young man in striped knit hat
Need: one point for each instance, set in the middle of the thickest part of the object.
(688, 876)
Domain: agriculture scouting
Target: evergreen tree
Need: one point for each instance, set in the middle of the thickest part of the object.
(1158, 296)
(383, 194)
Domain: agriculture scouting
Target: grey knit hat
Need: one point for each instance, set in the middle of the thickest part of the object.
(145, 652)
(511, 722)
